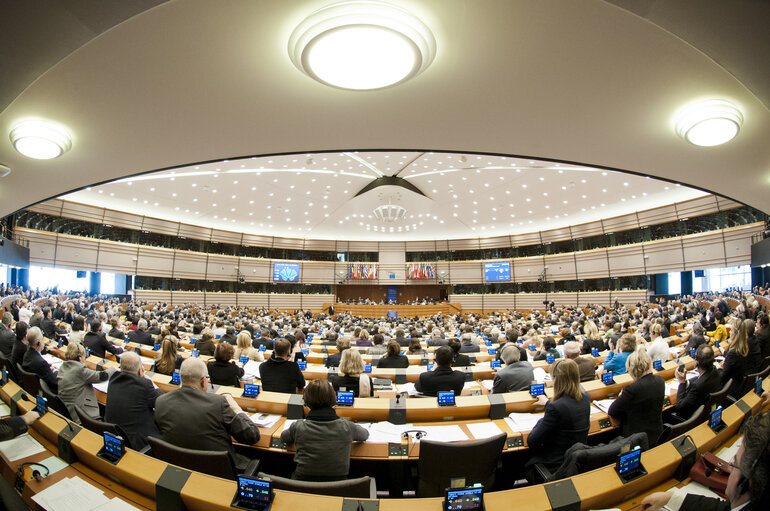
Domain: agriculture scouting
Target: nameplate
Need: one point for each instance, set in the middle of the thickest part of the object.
(295, 408)
(496, 406)
(397, 412)
(66, 434)
(563, 496)
(168, 489)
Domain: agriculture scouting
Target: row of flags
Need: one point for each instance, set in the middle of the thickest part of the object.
(420, 271)
(362, 271)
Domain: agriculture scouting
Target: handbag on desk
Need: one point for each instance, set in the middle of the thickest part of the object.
(712, 471)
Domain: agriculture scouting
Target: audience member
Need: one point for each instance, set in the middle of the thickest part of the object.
(278, 373)
(98, 343)
(75, 382)
(351, 377)
(442, 378)
(393, 359)
(35, 363)
(586, 364)
(693, 393)
(516, 375)
(615, 362)
(223, 370)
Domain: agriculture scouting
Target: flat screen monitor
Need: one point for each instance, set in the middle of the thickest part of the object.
(250, 390)
(629, 462)
(253, 493)
(537, 389)
(464, 499)
(345, 398)
(497, 272)
(285, 272)
(113, 447)
(446, 398)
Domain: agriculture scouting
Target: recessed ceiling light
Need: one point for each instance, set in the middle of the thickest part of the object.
(361, 45)
(709, 123)
(40, 140)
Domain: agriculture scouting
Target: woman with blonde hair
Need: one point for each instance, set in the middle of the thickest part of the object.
(738, 363)
(592, 338)
(243, 348)
(169, 360)
(351, 375)
(566, 420)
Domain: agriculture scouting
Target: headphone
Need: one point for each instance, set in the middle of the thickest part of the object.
(744, 484)
(36, 475)
(418, 433)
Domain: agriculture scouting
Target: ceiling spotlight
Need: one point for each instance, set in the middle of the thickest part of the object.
(709, 123)
(40, 139)
(362, 45)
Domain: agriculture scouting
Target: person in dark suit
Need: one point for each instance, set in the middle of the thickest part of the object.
(467, 345)
(140, 335)
(34, 362)
(738, 362)
(747, 486)
(278, 373)
(205, 344)
(400, 339)
(586, 364)
(566, 420)
(48, 325)
(229, 336)
(393, 359)
(592, 339)
(131, 401)
(696, 338)
(20, 347)
(11, 427)
(333, 360)
(98, 343)
(442, 378)
(193, 418)
(639, 408)
(7, 335)
(223, 370)
(763, 334)
(692, 394)
(460, 360)
(115, 332)
(516, 375)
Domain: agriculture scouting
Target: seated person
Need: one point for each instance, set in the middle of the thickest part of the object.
(658, 347)
(720, 333)
(459, 360)
(351, 377)
(586, 364)
(693, 393)
(78, 330)
(363, 339)
(327, 460)
(229, 336)
(115, 331)
(696, 338)
(205, 343)
(592, 338)
(516, 375)
(11, 427)
(193, 418)
(738, 361)
(378, 347)
(169, 360)
(639, 408)
(616, 359)
(34, 362)
(467, 344)
(566, 420)
(548, 349)
(245, 349)
(393, 359)
(333, 360)
(141, 335)
(442, 378)
(415, 348)
(98, 343)
(131, 401)
(75, 381)
(278, 373)
(223, 370)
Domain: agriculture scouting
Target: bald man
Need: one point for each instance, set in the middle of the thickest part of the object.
(193, 418)
(131, 401)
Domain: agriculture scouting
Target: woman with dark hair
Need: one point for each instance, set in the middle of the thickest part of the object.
(566, 420)
(393, 359)
(78, 330)
(327, 460)
(415, 348)
(20, 346)
(738, 363)
(223, 370)
(548, 349)
(205, 343)
(459, 359)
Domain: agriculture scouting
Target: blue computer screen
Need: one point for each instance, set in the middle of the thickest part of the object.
(497, 272)
(285, 272)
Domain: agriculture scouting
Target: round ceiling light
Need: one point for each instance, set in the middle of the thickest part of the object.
(709, 123)
(40, 140)
(362, 45)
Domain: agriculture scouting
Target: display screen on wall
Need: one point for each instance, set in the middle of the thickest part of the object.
(285, 272)
(497, 272)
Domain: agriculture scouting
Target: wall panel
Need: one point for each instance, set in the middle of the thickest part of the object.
(76, 253)
(155, 262)
(592, 264)
(626, 260)
(664, 256)
(527, 269)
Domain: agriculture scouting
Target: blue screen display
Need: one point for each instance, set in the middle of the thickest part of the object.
(758, 389)
(344, 398)
(594, 352)
(302, 364)
(465, 499)
(537, 389)
(195, 353)
(368, 368)
(495, 364)
(630, 461)
(113, 445)
(175, 379)
(156, 346)
(446, 398)
(243, 360)
(285, 272)
(254, 491)
(497, 272)
(716, 419)
(430, 367)
(549, 359)
(41, 405)
(607, 379)
(658, 365)
(250, 390)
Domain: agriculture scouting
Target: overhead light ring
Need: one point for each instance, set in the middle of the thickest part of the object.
(40, 140)
(709, 123)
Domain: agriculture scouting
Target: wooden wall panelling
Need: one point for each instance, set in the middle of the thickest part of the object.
(664, 256)
(626, 260)
(189, 265)
(76, 253)
(155, 262)
(592, 264)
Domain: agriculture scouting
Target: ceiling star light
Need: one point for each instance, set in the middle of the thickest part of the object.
(40, 139)
(362, 45)
(709, 123)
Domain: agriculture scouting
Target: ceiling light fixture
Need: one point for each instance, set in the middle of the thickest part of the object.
(40, 139)
(709, 123)
(362, 45)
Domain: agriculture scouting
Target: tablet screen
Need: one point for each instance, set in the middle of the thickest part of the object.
(368, 368)
(344, 398)
(537, 389)
(113, 445)
(446, 398)
(658, 365)
(549, 359)
(716, 419)
(464, 499)
(495, 364)
(254, 492)
(302, 364)
(594, 352)
(607, 379)
(250, 390)
(41, 405)
(175, 379)
(629, 461)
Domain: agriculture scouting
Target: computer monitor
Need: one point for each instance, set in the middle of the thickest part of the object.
(446, 398)
(495, 364)
(464, 499)
(250, 390)
(345, 398)
(302, 364)
(537, 389)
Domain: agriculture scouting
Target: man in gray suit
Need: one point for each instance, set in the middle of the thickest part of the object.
(192, 418)
(515, 375)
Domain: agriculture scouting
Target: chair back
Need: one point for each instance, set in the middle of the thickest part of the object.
(440, 462)
(361, 488)
(583, 458)
(29, 381)
(717, 399)
(54, 401)
(671, 431)
(765, 364)
(100, 427)
(215, 463)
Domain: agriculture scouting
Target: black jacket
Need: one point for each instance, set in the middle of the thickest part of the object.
(440, 379)
(640, 407)
(7, 340)
(565, 423)
(333, 360)
(130, 405)
(99, 345)
(694, 393)
(225, 373)
(397, 362)
(35, 363)
(279, 375)
(141, 337)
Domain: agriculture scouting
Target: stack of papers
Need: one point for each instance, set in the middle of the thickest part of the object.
(251, 370)
(451, 433)
(488, 384)
(74, 494)
(603, 404)
(54, 362)
(519, 422)
(728, 453)
(540, 375)
(287, 424)
(481, 430)
(20, 447)
(408, 388)
(385, 432)
(147, 361)
(672, 387)
(101, 386)
(264, 420)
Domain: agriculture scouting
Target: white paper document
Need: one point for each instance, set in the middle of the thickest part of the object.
(451, 433)
(519, 422)
(251, 370)
(385, 432)
(71, 494)
(54, 362)
(287, 424)
(53, 464)
(20, 447)
(488, 384)
(101, 386)
(728, 453)
(603, 404)
(115, 505)
(4, 410)
(408, 388)
(481, 430)
(540, 374)
(264, 420)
